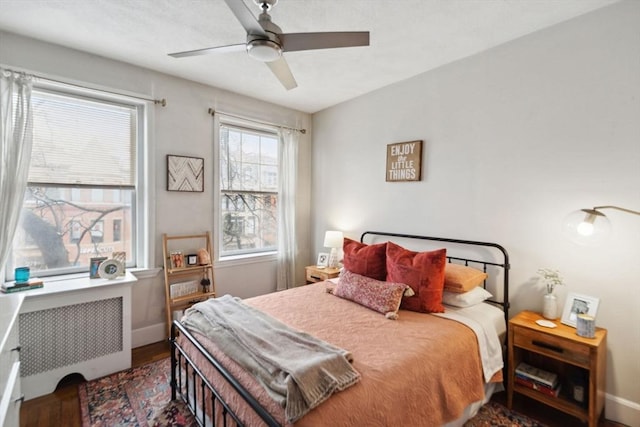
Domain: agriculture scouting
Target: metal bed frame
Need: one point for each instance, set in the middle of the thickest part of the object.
(187, 379)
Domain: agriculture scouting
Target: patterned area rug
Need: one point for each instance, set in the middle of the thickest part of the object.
(141, 396)
(495, 415)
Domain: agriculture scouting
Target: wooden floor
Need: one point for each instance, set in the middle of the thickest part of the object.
(62, 407)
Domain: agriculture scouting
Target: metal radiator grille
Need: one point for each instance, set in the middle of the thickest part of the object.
(62, 336)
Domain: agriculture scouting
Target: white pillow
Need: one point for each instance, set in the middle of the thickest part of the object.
(466, 299)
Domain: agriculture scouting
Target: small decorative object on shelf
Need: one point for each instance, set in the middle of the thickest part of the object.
(205, 282)
(551, 279)
(323, 260)
(33, 283)
(94, 266)
(110, 269)
(203, 257)
(577, 304)
(122, 257)
(192, 259)
(177, 259)
(586, 326)
(22, 274)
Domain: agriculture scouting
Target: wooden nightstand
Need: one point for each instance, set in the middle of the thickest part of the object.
(577, 361)
(313, 273)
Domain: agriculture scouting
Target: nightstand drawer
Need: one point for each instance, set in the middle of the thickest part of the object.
(316, 274)
(552, 346)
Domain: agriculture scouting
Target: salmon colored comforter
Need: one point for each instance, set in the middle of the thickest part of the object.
(419, 370)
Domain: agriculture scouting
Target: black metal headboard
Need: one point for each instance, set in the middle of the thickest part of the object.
(484, 263)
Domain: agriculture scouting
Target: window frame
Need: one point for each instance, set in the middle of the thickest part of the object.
(244, 257)
(142, 214)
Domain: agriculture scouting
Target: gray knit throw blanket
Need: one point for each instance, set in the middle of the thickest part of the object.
(298, 370)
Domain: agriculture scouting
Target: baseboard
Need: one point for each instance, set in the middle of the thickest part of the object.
(148, 335)
(622, 410)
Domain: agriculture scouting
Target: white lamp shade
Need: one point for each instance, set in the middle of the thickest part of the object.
(333, 239)
(586, 227)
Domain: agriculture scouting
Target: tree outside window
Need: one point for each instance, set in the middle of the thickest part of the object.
(248, 190)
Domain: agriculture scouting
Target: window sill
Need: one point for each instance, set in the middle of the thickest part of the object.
(232, 261)
(139, 273)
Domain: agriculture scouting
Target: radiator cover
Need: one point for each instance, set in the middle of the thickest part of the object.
(64, 336)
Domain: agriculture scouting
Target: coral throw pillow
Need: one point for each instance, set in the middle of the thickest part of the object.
(382, 297)
(460, 278)
(423, 272)
(365, 260)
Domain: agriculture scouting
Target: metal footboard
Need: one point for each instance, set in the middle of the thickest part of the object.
(201, 396)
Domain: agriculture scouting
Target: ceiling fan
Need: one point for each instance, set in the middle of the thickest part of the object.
(267, 43)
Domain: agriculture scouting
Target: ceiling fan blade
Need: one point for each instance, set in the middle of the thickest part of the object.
(246, 18)
(307, 41)
(281, 70)
(219, 49)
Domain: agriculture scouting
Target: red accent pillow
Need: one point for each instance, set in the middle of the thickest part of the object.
(365, 260)
(423, 271)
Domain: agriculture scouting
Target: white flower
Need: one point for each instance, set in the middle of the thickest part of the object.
(551, 278)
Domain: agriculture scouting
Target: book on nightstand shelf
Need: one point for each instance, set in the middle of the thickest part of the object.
(527, 382)
(538, 375)
(33, 283)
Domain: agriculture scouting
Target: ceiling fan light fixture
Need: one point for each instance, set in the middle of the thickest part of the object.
(264, 50)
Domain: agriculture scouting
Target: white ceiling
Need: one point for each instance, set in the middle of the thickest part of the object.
(408, 37)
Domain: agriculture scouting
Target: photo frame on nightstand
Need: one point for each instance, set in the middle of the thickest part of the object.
(578, 304)
(323, 259)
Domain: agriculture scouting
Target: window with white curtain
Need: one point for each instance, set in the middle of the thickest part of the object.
(84, 191)
(248, 190)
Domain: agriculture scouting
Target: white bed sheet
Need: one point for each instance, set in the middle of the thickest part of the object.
(487, 322)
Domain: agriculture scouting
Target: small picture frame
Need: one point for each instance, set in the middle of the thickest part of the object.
(578, 304)
(177, 259)
(323, 259)
(94, 267)
(192, 259)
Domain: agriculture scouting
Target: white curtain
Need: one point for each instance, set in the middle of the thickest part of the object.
(15, 152)
(287, 249)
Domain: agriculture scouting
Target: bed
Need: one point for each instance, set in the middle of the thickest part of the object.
(421, 369)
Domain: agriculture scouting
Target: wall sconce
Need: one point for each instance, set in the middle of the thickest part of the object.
(333, 240)
(590, 226)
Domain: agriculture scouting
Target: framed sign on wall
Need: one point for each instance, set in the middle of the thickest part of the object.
(404, 161)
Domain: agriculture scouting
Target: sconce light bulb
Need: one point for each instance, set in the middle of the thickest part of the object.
(585, 228)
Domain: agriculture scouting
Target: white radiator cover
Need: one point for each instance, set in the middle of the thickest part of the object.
(68, 327)
(64, 336)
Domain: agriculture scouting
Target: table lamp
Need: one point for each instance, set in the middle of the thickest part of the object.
(333, 240)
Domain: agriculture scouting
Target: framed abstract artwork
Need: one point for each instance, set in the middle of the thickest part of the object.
(185, 173)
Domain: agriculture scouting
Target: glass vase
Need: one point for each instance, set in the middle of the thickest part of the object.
(550, 307)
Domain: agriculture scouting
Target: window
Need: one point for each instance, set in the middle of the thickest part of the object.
(248, 190)
(83, 190)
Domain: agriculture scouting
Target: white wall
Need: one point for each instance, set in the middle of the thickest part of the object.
(515, 138)
(183, 127)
